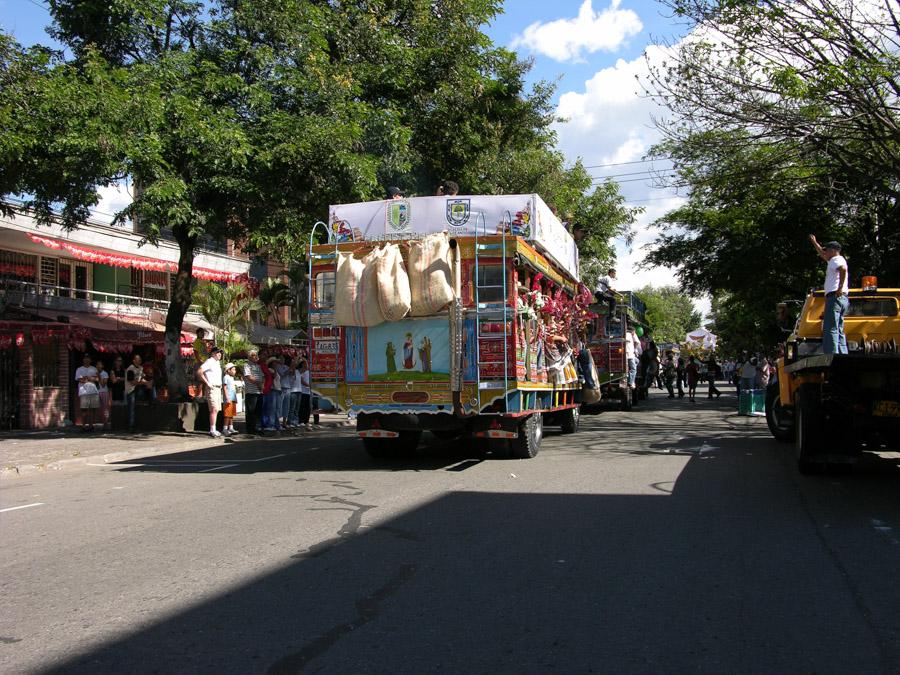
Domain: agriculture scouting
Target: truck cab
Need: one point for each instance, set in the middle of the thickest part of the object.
(834, 406)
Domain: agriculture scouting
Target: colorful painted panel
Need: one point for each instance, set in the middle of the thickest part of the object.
(470, 358)
(356, 353)
(405, 351)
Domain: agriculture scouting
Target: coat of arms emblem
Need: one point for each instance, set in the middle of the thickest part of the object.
(458, 211)
(398, 215)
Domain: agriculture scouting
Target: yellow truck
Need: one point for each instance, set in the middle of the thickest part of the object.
(484, 366)
(834, 406)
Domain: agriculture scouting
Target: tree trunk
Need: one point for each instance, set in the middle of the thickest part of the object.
(178, 307)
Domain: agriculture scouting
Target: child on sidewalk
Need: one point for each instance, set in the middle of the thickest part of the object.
(229, 409)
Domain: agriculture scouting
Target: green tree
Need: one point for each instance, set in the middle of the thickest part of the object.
(227, 307)
(273, 295)
(784, 122)
(669, 312)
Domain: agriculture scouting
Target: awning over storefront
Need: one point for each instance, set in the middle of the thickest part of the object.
(93, 255)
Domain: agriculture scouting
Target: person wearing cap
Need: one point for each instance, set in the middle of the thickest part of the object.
(229, 393)
(837, 286)
(393, 192)
(210, 374)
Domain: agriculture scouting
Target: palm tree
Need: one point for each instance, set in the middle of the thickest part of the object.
(274, 294)
(227, 307)
(297, 277)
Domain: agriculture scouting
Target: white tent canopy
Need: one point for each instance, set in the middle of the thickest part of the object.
(701, 338)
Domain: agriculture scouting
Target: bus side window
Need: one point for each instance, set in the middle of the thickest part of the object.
(492, 277)
(324, 290)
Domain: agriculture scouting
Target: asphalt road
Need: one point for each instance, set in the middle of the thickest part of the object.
(675, 538)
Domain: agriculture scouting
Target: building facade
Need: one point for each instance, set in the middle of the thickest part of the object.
(97, 290)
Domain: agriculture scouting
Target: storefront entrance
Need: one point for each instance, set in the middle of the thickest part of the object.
(9, 388)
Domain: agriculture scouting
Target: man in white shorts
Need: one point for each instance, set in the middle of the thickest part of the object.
(211, 375)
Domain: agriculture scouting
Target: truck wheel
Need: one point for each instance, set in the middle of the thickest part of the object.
(808, 427)
(779, 418)
(527, 445)
(569, 420)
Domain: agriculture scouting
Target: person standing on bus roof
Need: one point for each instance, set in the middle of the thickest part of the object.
(837, 286)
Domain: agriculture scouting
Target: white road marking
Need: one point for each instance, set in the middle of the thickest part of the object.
(26, 506)
(217, 468)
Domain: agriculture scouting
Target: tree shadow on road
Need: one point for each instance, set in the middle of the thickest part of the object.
(720, 573)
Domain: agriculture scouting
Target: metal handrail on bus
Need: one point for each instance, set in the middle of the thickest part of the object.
(309, 299)
(506, 226)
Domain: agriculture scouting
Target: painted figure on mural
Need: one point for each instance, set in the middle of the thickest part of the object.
(390, 353)
(409, 356)
(425, 354)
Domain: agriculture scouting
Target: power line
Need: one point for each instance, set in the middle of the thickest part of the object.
(38, 4)
(637, 161)
(633, 173)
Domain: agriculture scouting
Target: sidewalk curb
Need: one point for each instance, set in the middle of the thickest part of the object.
(189, 442)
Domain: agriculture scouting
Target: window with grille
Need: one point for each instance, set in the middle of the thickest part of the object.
(49, 276)
(156, 285)
(46, 364)
(18, 266)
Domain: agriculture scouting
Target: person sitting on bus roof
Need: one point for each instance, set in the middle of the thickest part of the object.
(606, 292)
(447, 188)
(393, 192)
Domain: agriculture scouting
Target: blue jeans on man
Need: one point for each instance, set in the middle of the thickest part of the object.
(632, 371)
(833, 339)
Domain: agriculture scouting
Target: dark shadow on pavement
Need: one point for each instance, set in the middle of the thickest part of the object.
(700, 576)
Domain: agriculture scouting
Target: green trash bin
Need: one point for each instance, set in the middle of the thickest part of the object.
(752, 401)
(759, 401)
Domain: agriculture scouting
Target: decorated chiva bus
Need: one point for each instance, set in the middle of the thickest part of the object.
(453, 315)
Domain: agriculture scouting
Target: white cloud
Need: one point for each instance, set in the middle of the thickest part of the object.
(590, 31)
(113, 198)
(610, 122)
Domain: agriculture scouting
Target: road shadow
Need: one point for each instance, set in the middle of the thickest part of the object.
(714, 573)
(303, 453)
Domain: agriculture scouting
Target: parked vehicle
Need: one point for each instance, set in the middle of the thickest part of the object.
(481, 367)
(834, 406)
(606, 339)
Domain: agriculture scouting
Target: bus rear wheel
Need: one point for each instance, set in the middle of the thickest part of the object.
(528, 443)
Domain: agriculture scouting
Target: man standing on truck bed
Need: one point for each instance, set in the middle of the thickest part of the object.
(836, 301)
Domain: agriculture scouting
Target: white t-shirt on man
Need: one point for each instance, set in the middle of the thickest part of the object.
(833, 277)
(213, 370)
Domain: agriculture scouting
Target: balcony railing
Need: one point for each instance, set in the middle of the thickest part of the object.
(30, 295)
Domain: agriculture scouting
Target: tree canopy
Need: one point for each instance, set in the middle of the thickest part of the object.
(670, 313)
(784, 122)
(245, 120)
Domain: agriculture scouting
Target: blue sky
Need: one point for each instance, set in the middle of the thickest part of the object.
(594, 49)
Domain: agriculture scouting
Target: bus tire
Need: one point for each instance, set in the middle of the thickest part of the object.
(528, 443)
(570, 420)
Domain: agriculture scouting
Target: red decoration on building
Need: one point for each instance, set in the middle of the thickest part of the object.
(128, 261)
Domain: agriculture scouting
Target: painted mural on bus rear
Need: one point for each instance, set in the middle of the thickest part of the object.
(458, 316)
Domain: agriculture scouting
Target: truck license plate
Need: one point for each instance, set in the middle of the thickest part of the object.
(886, 409)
